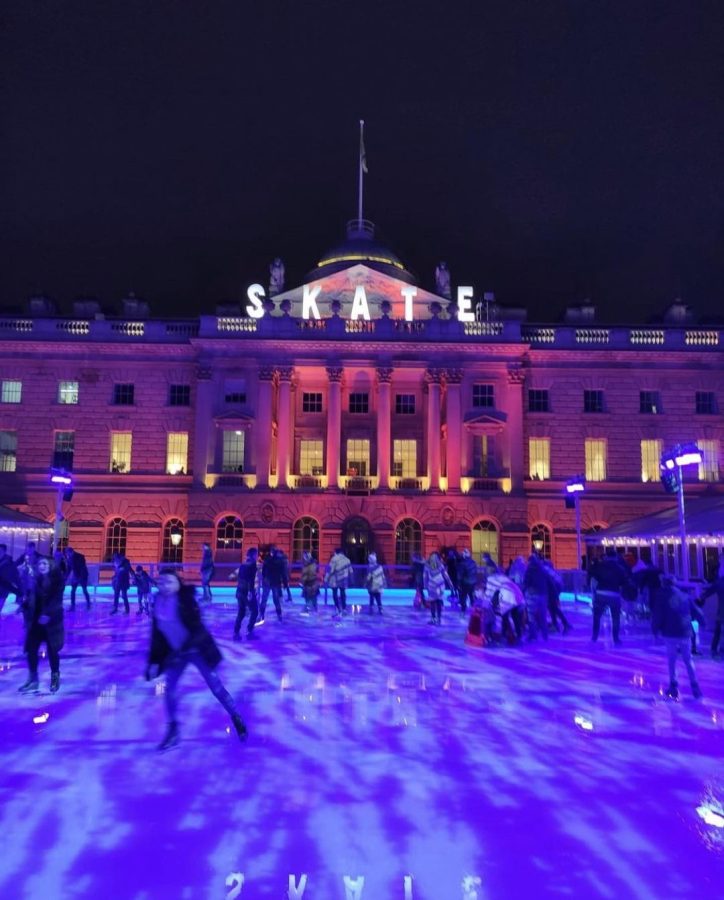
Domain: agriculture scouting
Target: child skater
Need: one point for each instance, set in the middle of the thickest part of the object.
(310, 582)
(375, 582)
(143, 583)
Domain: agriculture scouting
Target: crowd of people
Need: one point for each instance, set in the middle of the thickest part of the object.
(506, 607)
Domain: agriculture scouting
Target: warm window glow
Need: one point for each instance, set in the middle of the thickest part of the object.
(539, 451)
(358, 457)
(484, 539)
(177, 452)
(68, 392)
(650, 460)
(709, 465)
(311, 458)
(233, 452)
(121, 451)
(404, 459)
(595, 459)
(12, 391)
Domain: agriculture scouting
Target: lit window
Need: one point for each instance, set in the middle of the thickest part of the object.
(116, 537)
(311, 458)
(405, 404)
(595, 459)
(64, 442)
(482, 455)
(233, 452)
(483, 396)
(484, 539)
(540, 540)
(179, 395)
(172, 550)
(12, 391)
(408, 541)
(121, 442)
(650, 460)
(8, 451)
(709, 465)
(359, 403)
(123, 394)
(305, 538)
(177, 452)
(229, 533)
(649, 402)
(593, 402)
(539, 451)
(538, 400)
(706, 404)
(404, 459)
(68, 392)
(358, 457)
(311, 403)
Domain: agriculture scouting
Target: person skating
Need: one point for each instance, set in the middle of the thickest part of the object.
(9, 578)
(143, 583)
(178, 639)
(339, 572)
(272, 578)
(207, 571)
(672, 613)
(121, 582)
(43, 614)
(717, 587)
(375, 582)
(467, 575)
(246, 593)
(77, 575)
(608, 578)
(310, 582)
(436, 580)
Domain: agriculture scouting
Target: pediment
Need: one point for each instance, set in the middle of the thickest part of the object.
(493, 417)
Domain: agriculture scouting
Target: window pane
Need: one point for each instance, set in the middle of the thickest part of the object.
(64, 442)
(177, 451)
(595, 459)
(8, 451)
(68, 392)
(123, 394)
(305, 538)
(539, 451)
(358, 457)
(11, 391)
(311, 458)
(408, 541)
(709, 465)
(233, 452)
(179, 395)
(650, 460)
(359, 403)
(483, 396)
(405, 404)
(404, 459)
(121, 451)
(311, 403)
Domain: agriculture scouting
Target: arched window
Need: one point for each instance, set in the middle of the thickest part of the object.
(305, 537)
(485, 539)
(173, 542)
(229, 533)
(540, 540)
(116, 536)
(408, 541)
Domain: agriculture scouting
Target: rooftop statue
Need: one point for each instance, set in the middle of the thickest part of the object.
(442, 280)
(276, 277)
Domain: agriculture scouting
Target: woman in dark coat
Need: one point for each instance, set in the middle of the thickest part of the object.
(179, 638)
(43, 614)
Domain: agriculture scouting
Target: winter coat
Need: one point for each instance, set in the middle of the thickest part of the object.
(672, 611)
(339, 571)
(537, 580)
(246, 577)
(436, 580)
(717, 587)
(310, 579)
(611, 575)
(199, 637)
(46, 599)
(375, 581)
(9, 578)
(509, 594)
(207, 568)
(78, 568)
(272, 570)
(121, 574)
(467, 572)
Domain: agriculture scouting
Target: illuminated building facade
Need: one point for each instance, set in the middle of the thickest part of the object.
(377, 425)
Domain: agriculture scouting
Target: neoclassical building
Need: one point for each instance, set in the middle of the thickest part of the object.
(357, 409)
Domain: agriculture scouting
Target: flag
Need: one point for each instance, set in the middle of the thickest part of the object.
(362, 154)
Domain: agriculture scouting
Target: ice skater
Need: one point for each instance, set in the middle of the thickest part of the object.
(436, 580)
(246, 593)
(207, 571)
(672, 612)
(179, 638)
(339, 573)
(143, 583)
(375, 582)
(42, 607)
(310, 582)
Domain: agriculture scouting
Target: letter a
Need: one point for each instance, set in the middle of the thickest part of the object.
(296, 891)
(309, 301)
(353, 887)
(359, 304)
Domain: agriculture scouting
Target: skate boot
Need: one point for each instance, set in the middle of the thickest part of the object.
(696, 690)
(54, 682)
(172, 738)
(673, 690)
(30, 686)
(240, 727)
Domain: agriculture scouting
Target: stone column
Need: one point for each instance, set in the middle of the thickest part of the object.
(453, 378)
(384, 405)
(284, 425)
(334, 424)
(432, 378)
(204, 432)
(263, 426)
(514, 451)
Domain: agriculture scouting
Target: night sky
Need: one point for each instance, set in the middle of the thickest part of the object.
(549, 151)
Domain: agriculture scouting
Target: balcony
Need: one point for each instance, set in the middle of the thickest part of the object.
(227, 480)
(404, 484)
(485, 484)
(307, 482)
(357, 485)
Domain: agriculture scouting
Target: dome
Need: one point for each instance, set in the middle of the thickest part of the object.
(361, 246)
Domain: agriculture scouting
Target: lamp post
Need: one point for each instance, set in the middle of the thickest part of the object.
(63, 482)
(176, 535)
(574, 488)
(672, 476)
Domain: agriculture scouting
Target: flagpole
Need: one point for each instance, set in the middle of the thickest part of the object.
(361, 172)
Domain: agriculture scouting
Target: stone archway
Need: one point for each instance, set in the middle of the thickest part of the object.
(357, 540)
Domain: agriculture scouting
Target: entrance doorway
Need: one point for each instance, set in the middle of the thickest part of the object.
(357, 540)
